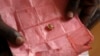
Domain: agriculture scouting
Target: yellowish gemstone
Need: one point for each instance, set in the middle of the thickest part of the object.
(50, 26)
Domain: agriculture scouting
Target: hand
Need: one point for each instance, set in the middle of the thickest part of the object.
(86, 9)
(9, 34)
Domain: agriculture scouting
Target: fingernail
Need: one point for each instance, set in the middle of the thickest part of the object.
(70, 14)
(20, 40)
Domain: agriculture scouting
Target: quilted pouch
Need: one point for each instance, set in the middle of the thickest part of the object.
(46, 30)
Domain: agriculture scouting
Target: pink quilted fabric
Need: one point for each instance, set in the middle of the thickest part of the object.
(32, 17)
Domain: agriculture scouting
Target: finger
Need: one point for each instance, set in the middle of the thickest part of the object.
(4, 48)
(89, 8)
(10, 34)
(72, 7)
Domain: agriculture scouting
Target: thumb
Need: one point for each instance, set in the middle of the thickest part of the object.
(10, 34)
(72, 7)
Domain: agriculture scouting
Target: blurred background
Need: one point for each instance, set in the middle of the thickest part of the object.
(94, 26)
(95, 51)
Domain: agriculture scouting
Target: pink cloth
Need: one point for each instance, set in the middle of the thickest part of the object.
(31, 17)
